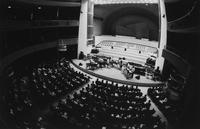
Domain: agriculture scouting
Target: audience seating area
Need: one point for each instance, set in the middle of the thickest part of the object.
(54, 94)
(53, 81)
(171, 109)
(106, 105)
(20, 104)
(18, 98)
(31, 91)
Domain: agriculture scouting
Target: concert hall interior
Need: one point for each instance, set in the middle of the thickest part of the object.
(99, 64)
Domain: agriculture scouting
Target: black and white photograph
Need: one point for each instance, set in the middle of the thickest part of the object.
(99, 64)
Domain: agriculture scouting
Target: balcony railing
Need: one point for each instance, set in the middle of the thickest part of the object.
(19, 25)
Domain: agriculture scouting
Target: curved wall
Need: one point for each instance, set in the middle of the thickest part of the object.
(177, 61)
(32, 49)
(71, 3)
(18, 54)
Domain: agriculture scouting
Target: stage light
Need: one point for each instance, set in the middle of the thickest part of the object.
(9, 6)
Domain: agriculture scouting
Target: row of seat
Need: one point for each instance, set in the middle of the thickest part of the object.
(53, 81)
(19, 101)
(169, 108)
(30, 93)
(104, 104)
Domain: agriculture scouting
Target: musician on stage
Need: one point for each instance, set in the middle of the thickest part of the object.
(128, 71)
(91, 65)
(120, 63)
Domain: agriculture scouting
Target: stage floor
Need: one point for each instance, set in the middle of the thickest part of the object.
(116, 74)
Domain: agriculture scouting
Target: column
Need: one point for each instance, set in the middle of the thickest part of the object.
(82, 36)
(163, 35)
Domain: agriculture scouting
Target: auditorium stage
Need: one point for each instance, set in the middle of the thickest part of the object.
(115, 73)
